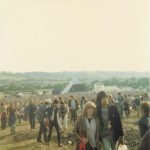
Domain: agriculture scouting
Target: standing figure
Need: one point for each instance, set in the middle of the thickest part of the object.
(137, 104)
(120, 104)
(63, 115)
(12, 119)
(126, 106)
(145, 97)
(41, 115)
(3, 116)
(53, 114)
(73, 106)
(110, 123)
(32, 109)
(144, 122)
(87, 129)
(82, 103)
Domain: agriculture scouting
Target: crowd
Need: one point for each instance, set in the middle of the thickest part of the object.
(96, 120)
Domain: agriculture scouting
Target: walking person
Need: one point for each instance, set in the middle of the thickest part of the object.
(110, 123)
(19, 113)
(120, 104)
(82, 102)
(146, 98)
(87, 129)
(126, 106)
(110, 99)
(3, 116)
(137, 104)
(53, 114)
(32, 109)
(73, 107)
(63, 115)
(144, 122)
(41, 115)
(12, 119)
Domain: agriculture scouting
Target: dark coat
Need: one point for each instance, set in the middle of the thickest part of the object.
(145, 144)
(40, 113)
(49, 112)
(144, 125)
(115, 121)
(32, 109)
(12, 116)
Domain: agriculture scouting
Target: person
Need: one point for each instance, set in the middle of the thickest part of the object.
(12, 119)
(73, 106)
(63, 113)
(32, 109)
(19, 113)
(111, 129)
(53, 113)
(144, 143)
(126, 106)
(3, 116)
(86, 129)
(110, 99)
(82, 102)
(120, 104)
(40, 115)
(144, 122)
(146, 98)
(137, 104)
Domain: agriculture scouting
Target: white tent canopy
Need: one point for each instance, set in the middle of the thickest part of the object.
(70, 85)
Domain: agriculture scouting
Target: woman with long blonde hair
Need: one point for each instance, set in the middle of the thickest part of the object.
(86, 129)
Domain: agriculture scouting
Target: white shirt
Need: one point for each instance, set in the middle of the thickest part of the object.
(73, 104)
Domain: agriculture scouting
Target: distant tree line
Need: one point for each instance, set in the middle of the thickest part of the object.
(85, 86)
(129, 82)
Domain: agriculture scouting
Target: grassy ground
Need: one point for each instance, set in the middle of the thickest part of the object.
(1, 94)
(24, 139)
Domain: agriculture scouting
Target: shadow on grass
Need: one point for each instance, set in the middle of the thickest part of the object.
(27, 146)
(5, 136)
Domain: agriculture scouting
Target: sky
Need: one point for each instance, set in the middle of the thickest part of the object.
(74, 35)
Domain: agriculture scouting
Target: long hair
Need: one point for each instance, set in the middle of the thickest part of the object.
(100, 96)
(88, 105)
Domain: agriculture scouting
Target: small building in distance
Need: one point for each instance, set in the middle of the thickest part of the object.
(100, 87)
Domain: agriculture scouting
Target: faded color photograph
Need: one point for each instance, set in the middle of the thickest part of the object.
(74, 75)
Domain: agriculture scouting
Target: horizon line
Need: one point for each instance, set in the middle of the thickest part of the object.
(144, 71)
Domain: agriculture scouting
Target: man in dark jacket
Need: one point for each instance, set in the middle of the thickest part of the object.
(52, 114)
(32, 109)
(12, 118)
(40, 115)
(120, 104)
(144, 122)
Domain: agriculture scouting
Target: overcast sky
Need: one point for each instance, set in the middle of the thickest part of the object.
(74, 35)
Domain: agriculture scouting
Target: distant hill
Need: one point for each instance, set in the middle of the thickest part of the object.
(83, 75)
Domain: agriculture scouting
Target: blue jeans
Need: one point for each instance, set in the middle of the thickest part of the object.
(108, 143)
